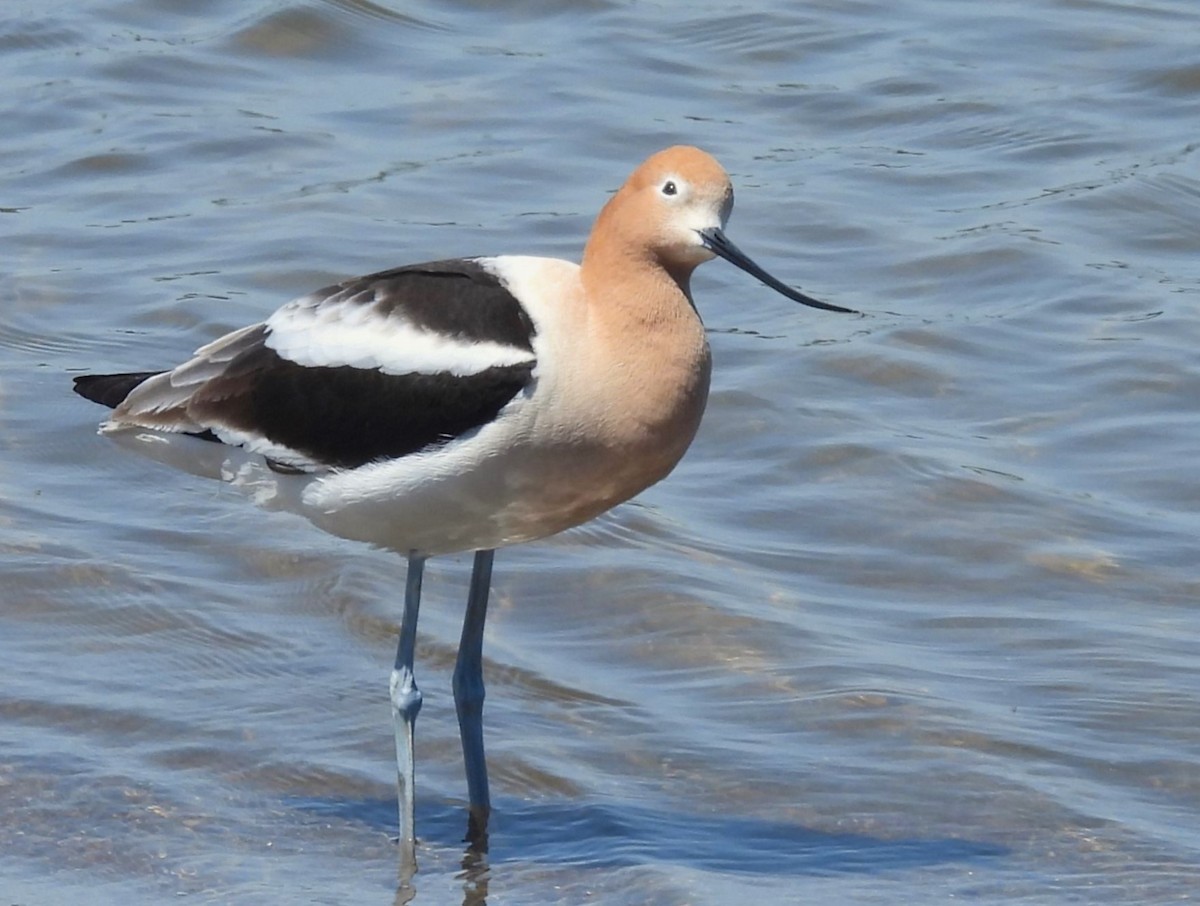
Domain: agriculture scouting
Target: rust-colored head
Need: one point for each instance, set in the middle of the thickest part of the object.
(662, 210)
(670, 214)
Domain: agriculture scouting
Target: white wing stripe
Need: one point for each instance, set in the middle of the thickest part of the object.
(354, 334)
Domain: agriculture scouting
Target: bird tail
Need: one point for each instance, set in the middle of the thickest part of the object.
(109, 389)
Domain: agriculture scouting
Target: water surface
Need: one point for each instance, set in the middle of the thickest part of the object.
(915, 620)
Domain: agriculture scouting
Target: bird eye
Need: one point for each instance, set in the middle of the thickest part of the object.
(669, 187)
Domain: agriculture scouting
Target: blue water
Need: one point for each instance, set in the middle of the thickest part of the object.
(915, 620)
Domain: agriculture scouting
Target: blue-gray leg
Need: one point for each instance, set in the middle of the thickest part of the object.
(406, 700)
(469, 693)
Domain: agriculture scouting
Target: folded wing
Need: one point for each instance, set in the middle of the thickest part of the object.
(373, 368)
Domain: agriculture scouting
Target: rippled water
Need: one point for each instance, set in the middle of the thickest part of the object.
(914, 621)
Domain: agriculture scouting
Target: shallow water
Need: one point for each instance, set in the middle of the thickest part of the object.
(914, 621)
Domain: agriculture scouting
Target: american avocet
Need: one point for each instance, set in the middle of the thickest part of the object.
(468, 404)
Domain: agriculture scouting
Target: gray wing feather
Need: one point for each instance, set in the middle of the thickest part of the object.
(161, 402)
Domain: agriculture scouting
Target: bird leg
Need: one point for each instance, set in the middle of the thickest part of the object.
(406, 700)
(469, 694)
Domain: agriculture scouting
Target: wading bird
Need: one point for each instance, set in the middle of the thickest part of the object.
(470, 403)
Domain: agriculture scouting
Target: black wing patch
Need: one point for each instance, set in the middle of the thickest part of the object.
(347, 417)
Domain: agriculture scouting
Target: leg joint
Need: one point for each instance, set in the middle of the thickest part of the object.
(406, 697)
